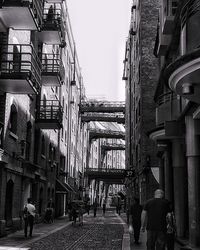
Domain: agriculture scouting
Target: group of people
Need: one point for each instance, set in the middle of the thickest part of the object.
(157, 218)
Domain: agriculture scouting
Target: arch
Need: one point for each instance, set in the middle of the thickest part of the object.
(9, 202)
(13, 119)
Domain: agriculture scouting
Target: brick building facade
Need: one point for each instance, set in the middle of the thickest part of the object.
(41, 85)
(140, 74)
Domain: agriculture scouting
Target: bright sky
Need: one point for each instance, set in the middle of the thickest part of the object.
(100, 29)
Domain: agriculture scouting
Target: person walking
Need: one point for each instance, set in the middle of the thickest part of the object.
(104, 207)
(88, 208)
(95, 208)
(136, 210)
(29, 215)
(171, 229)
(154, 220)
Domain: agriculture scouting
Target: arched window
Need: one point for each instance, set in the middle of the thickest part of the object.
(13, 119)
(43, 146)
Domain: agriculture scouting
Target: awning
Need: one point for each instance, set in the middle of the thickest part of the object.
(62, 188)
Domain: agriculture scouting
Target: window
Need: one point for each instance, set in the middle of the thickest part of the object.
(13, 119)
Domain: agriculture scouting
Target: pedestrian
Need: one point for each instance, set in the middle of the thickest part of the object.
(104, 207)
(95, 208)
(29, 215)
(49, 213)
(88, 208)
(154, 220)
(136, 210)
(119, 208)
(171, 229)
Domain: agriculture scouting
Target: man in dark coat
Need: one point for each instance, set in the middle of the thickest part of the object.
(154, 220)
(135, 211)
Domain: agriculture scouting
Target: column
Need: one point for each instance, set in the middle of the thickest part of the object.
(161, 173)
(180, 185)
(193, 166)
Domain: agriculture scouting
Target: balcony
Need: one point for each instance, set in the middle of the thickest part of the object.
(21, 14)
(52, 70)
(52, 31)
(168, 108)
(183, 76)
(49, 114)
(20, 69)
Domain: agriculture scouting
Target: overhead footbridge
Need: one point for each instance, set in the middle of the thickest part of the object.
(109, 176)
(101, 133)
(115, 146)
(101, 117)
(102, 107)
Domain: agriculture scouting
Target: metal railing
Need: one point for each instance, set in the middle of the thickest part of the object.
(52, 63)
(37, 6)
(49, 110)
(167, 97)
(21, 58)
(53, 18)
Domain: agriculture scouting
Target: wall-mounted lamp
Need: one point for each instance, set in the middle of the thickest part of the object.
(187, 89)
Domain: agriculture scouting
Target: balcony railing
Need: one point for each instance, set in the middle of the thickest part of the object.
(20, 14)
(49, 114)
(169, 108)
(20, 69)
(52, 31)
(52, 70)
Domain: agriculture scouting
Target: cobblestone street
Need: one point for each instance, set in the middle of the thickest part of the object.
(102, 232)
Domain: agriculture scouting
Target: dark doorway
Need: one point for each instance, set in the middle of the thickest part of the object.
(9, 203)
(40, 200)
